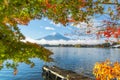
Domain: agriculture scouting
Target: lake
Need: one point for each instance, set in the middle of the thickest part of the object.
(80, 60)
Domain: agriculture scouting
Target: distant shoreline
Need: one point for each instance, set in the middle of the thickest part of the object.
(104, 45)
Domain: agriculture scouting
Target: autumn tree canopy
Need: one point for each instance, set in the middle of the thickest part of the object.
(14, 12)
(63, 11)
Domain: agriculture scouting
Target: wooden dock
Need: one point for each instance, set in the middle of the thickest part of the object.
(55, 73)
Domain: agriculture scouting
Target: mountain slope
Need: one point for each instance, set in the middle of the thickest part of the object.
(55, 36)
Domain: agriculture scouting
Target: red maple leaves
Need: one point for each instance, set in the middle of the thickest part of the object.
(110, 31)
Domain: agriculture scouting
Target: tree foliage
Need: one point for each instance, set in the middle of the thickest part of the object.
(60, 11)
(22, 53)
(14, 12)
(107, 70)
(63, 11)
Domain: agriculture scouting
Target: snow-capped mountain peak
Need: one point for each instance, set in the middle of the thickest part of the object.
(55, 36)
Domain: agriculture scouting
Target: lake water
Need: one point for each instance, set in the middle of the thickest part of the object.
(80, 60)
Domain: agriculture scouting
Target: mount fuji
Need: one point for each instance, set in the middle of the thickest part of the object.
(57, 38)
(54, 36)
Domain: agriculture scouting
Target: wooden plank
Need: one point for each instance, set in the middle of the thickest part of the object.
(55, 73)
(65, 74)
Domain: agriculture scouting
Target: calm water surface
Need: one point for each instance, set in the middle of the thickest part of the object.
(80, 60)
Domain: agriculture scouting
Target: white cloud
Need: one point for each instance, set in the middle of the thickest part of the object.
(53, 33)
(57, 42)
(57, 25)
(92, 22)
(73, 42)
(29, 40)
(52, 23)
(49, 28)
(91, 26)
(45, 19)
(66, 42)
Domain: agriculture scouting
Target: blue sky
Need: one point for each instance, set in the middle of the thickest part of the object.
(40, 28)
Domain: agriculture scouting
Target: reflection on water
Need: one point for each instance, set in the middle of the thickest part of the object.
(21, 64)
(75, 59)
(25, 72)
(82, 60)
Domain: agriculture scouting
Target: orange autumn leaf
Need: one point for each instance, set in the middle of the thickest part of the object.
(71, 20)
(107, 70)
(46, 1)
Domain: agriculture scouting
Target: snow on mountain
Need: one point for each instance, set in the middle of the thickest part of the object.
(65, 42)
(56, 39)
(55, 36)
